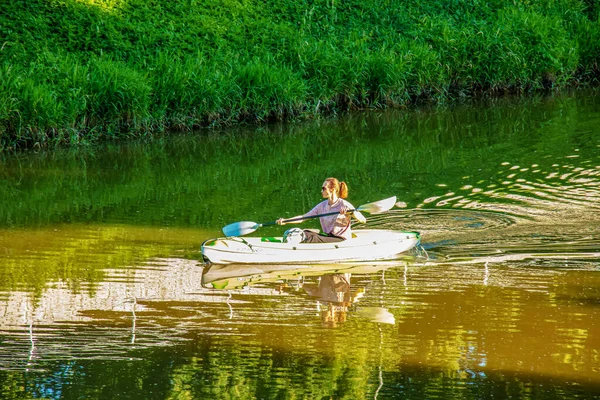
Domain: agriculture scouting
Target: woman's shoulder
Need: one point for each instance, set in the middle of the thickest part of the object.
(323, 205)
(318, 209)
(347, 203)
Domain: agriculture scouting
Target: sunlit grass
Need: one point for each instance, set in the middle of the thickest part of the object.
(104, 5)
(76, 71)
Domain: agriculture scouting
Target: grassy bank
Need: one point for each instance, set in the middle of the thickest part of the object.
(76, 70)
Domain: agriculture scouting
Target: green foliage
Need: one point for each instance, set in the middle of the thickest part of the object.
(76, 70)
(117, 94)
(264, 88)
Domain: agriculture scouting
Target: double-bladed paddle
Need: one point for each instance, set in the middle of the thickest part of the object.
(246, 227)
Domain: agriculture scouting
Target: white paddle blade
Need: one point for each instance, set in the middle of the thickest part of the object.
(378, 207)
(240, 228)
(377, 314)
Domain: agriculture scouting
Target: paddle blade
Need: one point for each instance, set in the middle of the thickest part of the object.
(377, 314)
(240, 228)
(378, 207)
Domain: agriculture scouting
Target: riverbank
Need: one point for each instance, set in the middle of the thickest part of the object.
(75, 72)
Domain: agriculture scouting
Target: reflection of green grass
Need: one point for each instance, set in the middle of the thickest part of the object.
(78, 254)
(295, 359)
(133, 67)
(249, 174)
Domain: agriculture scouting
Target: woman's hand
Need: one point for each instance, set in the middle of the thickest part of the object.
(345, 211)
(294, 220)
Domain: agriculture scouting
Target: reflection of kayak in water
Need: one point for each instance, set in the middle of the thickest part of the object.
(234, 276)
(365, 245)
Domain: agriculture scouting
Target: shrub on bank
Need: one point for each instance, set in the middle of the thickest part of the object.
(75, 71)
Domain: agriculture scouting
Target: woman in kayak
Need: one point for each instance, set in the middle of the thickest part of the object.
(335, 227)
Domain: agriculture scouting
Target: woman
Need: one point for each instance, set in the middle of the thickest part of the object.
(335, 227)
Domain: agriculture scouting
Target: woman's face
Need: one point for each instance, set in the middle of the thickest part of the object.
(325, 189)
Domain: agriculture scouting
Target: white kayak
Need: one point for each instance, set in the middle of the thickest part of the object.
(365, 245)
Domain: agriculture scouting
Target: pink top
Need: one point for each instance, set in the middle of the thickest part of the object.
(337, 225)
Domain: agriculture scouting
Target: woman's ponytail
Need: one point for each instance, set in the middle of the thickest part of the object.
(343, 190)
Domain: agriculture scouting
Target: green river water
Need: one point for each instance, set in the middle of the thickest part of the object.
(103, 293)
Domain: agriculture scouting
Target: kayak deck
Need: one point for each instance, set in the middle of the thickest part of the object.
(366, 245)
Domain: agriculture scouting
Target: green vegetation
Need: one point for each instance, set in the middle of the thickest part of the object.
(76, 70)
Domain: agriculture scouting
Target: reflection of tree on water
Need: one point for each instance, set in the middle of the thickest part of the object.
(334, 296)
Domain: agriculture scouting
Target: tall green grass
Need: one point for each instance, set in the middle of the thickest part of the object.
(76, 71)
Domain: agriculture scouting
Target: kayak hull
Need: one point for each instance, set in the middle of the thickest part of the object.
(234, 276)
(366, 245)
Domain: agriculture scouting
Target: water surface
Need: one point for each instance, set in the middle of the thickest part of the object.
(103, 294)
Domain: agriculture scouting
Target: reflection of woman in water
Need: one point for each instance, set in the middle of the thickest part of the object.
(334, 290)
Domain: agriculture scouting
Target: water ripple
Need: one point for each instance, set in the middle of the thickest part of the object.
(542, 194)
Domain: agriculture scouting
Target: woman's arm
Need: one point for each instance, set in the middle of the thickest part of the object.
(301, 218)
(283, 221)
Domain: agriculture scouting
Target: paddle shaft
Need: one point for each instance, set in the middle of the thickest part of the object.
(303, 218)
(246, 227)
